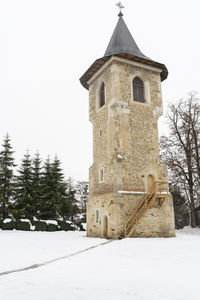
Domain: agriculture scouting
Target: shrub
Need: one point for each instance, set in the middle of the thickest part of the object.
(22, 225)
(8, 225)
(80, 227)
(52, 227)
(63, 225)
(25, 225)
(40, 226)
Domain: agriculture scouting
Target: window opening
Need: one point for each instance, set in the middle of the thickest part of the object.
(97, 216)
(102, 95)
(101, 175)
(138, 90)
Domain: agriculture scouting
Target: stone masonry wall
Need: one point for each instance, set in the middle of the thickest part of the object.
(125, 147)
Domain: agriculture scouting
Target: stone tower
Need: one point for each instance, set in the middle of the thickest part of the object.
(128, 183)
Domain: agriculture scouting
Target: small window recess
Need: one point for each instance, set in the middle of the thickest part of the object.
(101, 96)
(97, 216)
(138, 90)
(101, 175)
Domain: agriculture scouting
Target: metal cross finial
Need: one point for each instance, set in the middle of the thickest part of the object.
(120, 5)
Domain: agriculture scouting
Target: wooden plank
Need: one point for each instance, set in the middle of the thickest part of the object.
(139, 212)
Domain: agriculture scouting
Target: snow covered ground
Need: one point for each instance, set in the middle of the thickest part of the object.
(139, 269)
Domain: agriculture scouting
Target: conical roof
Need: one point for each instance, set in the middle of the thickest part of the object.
(122, 41)
(123, 45)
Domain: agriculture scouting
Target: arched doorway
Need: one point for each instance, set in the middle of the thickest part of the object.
(105, 227)
(150, 181)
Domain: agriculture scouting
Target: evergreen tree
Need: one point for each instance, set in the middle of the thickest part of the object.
(60, 189)
(24, 189)
(36, 182)
(6, 177)
(45, 209)
(54, 202)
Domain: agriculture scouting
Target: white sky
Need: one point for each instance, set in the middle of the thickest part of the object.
(45, 47)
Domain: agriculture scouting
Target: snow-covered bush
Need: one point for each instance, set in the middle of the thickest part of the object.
(22, 225)
(8, 224)
(40, 225)
(79, 226)
(52, 227)
(65, 225)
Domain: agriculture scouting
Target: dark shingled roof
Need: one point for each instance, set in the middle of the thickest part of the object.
(123, 42)
(123, 45)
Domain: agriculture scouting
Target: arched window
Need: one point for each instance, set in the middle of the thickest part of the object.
(138, 90)
(102, 95)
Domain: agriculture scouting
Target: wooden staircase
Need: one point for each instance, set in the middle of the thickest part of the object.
(158, 190)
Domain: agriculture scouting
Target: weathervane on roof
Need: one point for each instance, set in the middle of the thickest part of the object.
(121, 6)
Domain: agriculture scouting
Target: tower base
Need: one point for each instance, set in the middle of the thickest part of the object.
(108, 212)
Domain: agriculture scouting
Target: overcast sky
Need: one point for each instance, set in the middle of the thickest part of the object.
(45, 47)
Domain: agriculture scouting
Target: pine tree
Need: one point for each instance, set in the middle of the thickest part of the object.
(24, 189)
(54, 202)
(46, 206)
(36, 182)
(60, 188)
(6, 177)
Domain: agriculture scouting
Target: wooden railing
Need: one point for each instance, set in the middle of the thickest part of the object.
(159, 190)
